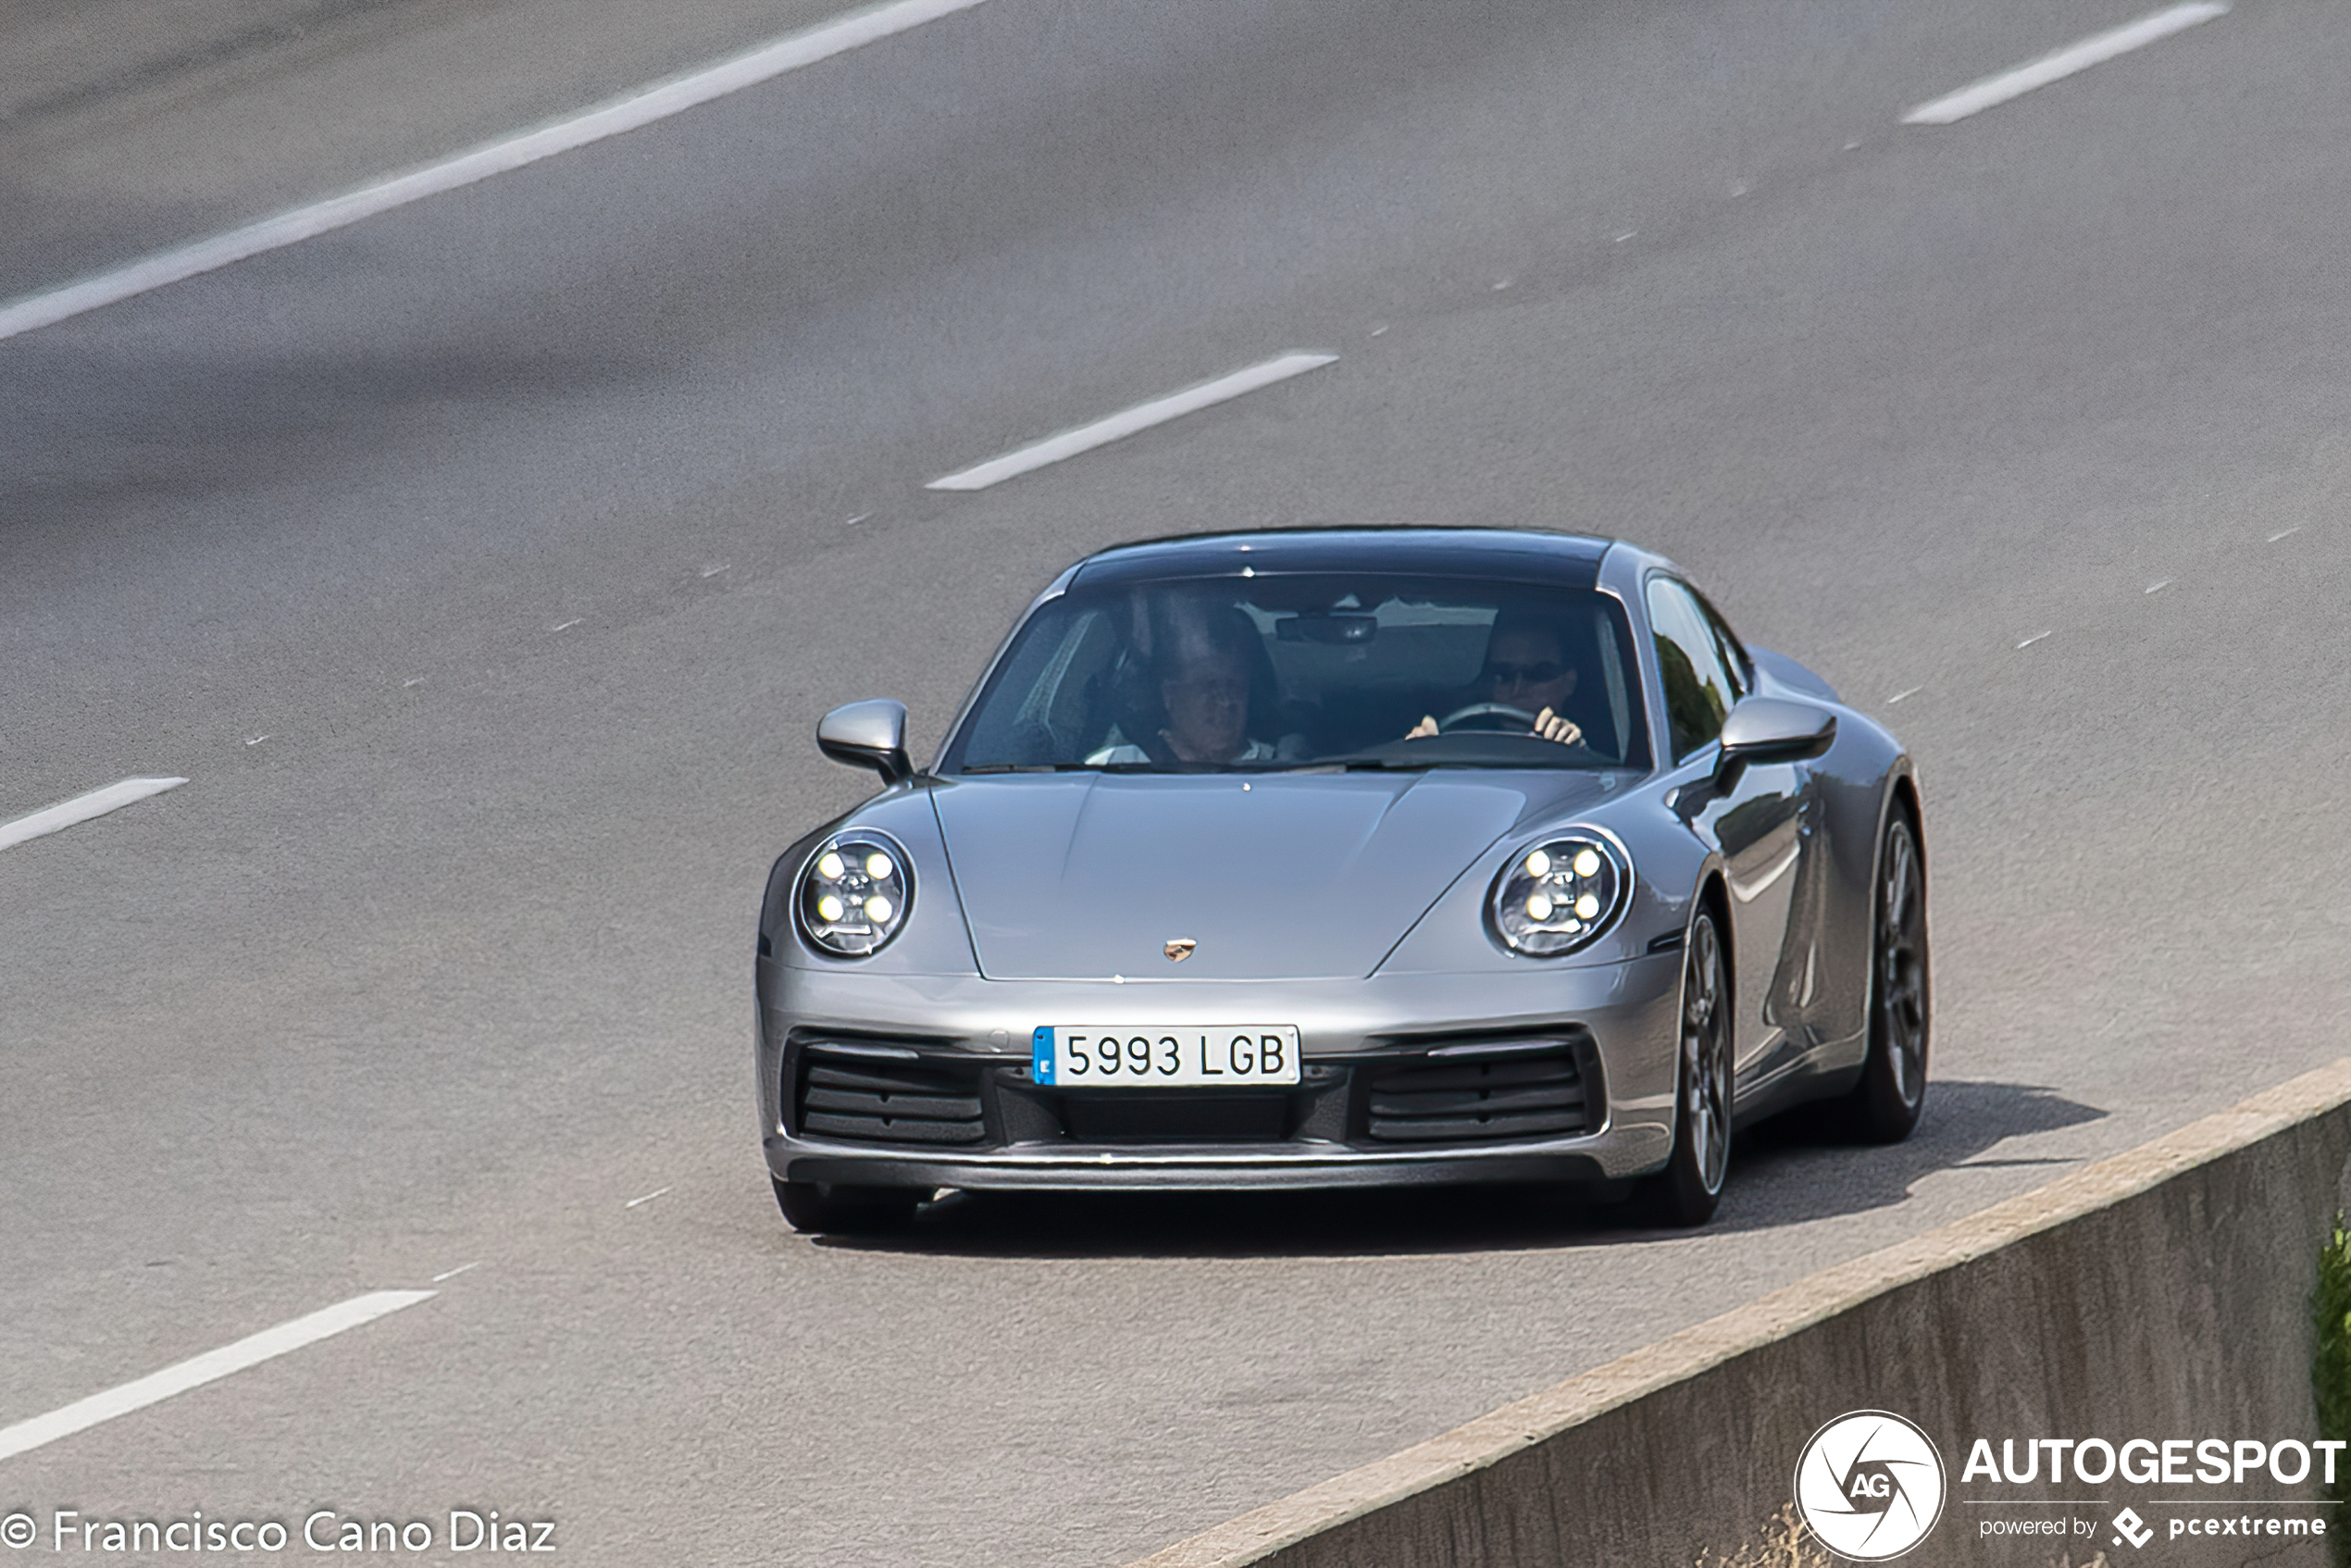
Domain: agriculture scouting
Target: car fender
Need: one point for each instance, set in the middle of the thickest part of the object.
(1669, 863)
(1854, 787)
(935, 940)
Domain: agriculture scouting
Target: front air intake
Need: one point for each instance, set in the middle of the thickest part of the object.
(873, 1097)
(1444, 1100)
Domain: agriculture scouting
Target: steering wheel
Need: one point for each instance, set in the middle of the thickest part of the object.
(1487, 718)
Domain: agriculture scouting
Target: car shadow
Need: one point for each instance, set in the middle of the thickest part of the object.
(1785, 1172)
(1794, 1168)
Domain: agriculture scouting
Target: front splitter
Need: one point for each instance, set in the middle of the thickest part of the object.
(1110, 1170)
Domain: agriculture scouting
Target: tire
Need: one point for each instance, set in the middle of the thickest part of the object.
(844, 1210)
(1685, 1192)
(1885, 1105)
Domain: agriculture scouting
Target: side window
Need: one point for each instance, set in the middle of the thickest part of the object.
(1734, 652)
(1699, 685)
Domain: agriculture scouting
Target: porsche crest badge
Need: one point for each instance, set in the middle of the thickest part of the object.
(1178, 949)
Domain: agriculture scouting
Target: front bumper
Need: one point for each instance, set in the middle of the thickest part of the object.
(1536, 1074)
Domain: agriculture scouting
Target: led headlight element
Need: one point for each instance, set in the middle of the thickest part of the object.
(854, 892)
(1560, 894)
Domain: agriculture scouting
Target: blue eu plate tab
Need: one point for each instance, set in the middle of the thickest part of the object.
(1040, 1059)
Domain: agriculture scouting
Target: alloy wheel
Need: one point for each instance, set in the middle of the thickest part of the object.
(1706, 1058)
(1902, 963)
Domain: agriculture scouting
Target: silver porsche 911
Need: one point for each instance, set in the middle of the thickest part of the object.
(1346, 857)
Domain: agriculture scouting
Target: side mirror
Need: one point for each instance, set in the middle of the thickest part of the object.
(1760, 729)
(870, 734)
(1767, 729)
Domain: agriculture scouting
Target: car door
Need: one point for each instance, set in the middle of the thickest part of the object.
(1758, 825)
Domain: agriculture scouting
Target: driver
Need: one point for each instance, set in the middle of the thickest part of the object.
(1204, 688)
(1526, 667)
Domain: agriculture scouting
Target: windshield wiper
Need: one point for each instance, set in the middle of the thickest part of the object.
(1068, 767)
(1370, 763)
(1358, 764)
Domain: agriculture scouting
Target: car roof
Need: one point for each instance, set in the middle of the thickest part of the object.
(1516, 554)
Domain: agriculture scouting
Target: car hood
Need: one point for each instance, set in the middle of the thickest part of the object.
(1294, 876)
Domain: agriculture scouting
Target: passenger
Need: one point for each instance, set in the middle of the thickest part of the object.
(1204, 683)
(1526, 668)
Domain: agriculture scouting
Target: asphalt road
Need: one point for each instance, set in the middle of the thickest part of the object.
(484, 567)
(127, 126)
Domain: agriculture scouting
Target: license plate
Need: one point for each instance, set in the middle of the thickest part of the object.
(1229, 1054)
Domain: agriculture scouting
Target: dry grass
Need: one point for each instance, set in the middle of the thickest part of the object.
(1786, 1542)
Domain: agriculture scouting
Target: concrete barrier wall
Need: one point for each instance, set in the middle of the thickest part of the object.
(2163, 1293)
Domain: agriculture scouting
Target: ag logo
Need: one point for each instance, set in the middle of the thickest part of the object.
(1869, 1485)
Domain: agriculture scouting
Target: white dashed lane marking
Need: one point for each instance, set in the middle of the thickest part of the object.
(81, 808)
(765, 63)
(2094, 50)
(209, 1367)
(1142, 416)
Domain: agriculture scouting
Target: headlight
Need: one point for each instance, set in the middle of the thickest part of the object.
(854, 892)
(1560, 894)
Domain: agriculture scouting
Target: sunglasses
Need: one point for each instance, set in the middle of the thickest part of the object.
(1527, 675)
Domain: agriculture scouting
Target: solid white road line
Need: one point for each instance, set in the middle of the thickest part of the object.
(81, 808)
(198, 1370)
(640, 108)
(1142, 416)
(2091, 51)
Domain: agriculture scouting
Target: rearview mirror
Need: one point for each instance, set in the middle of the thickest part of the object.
(869, 734)
(1332, 630)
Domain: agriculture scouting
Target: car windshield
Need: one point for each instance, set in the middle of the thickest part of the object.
(1310, 670)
